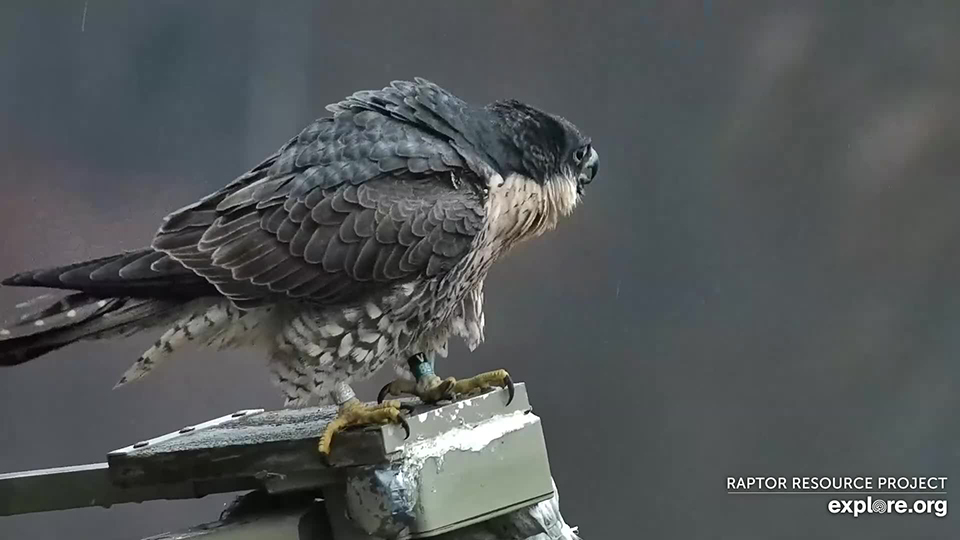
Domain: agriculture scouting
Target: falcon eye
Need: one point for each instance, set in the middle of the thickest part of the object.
(581, 153)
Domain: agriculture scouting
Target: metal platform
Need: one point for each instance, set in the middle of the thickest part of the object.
(464, 463)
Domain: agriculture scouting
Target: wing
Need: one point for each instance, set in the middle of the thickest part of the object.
(144, 273)
(355, 204)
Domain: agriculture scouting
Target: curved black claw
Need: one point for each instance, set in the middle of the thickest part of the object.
(406, 427)
(409, 407)
(511, 390)
(445, 391)
(384, 392)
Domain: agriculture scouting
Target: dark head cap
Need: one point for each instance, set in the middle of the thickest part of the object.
(542, 146)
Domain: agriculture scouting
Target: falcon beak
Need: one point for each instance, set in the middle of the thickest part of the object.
(589, 170)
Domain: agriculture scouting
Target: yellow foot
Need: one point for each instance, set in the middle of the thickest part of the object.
(354, 413)
(485, 381)
(431, 389)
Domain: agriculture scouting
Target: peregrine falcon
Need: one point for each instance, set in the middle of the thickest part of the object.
(364, 240)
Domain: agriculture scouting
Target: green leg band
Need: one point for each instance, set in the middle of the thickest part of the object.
(420, 366)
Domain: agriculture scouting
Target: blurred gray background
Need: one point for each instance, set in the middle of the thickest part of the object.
(762, 280)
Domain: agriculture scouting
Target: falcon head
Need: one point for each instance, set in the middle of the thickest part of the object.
(543, 147)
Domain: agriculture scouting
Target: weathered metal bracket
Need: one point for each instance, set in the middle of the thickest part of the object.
(464, 463)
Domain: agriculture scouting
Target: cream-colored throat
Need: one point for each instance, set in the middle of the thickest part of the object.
(519, 207)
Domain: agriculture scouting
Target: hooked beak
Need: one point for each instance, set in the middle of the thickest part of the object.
(588, 171)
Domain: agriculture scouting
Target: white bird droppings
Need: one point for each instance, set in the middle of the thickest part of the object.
(72, 313)
(465, 438)
(4, 332)
(39, 323)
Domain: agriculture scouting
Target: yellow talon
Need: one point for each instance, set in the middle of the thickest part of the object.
(354, 413)
(431, 389)
(485, 381)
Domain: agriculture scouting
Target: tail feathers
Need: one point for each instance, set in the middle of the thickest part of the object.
(78, 317)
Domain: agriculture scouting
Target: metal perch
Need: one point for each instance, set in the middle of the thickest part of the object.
(470, 470)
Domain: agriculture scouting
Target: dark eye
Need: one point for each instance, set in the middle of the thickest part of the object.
(581, 153)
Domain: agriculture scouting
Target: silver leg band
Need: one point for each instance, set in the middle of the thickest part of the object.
(343, 393)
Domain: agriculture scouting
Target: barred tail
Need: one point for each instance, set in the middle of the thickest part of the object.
(76, 317)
